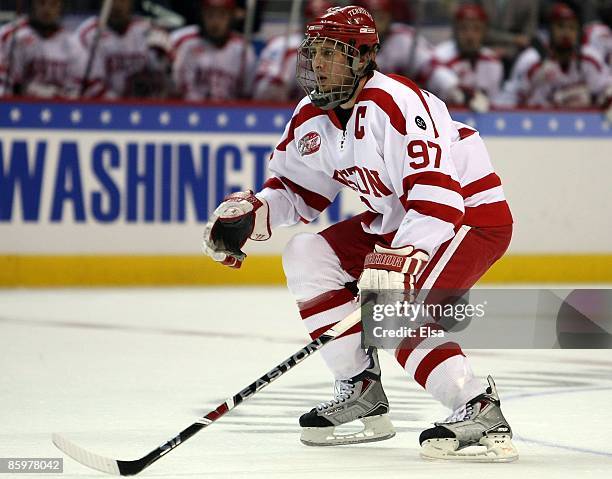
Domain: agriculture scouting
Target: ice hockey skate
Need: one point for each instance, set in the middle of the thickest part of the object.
(476, 432)
(358, 398)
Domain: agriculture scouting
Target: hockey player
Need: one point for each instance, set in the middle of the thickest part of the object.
(598, 34)
(38, 57)
(400, 55)
(478, 69)
(131, 54)
(275, 75)
(436, 218)
(213, 64)
(567, 75)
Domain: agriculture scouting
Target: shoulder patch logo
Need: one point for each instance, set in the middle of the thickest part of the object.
(420, 123)
(309, 143)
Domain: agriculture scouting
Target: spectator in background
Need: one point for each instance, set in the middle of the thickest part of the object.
(478, 69)
(212, 63)
(275, 76)
(402, 53)
(598, 34)
(38, 57)
(131, 55)
(512, 26)
(564, 75)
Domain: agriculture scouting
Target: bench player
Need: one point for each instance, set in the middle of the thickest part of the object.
(436, 218)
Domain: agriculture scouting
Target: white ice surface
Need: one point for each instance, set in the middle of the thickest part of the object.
(121, 371)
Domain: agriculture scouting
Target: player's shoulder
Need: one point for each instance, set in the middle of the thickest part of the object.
(527, 61)
(591, 55)
(487, 54)
(408, 108)
(20, 28)
(446, 51)
(184, 36)
(594, 31)
(401, 30)
(86, 29)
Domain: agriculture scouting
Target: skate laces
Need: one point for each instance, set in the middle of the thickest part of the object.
(343, 391)
(461, 414)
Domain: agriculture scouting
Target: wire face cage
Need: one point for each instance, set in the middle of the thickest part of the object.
(327, 70)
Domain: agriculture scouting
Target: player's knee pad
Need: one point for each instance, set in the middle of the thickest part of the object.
(312, 267)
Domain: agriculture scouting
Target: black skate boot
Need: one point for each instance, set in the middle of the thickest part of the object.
(361, 397)
(479, 423)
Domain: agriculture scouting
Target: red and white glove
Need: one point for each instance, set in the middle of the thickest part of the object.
(241, 216)
(392, 268)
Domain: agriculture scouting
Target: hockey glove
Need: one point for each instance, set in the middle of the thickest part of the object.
(392, 269)
(241, 216)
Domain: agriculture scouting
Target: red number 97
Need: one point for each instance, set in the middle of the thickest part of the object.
(418, 149)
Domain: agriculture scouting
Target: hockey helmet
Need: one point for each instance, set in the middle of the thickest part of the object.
(334, 54)
(470, 11)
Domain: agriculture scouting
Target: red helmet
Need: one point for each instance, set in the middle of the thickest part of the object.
(561, 11)
(351, 33)
(471, 11)
(229, 4)
(352, 25)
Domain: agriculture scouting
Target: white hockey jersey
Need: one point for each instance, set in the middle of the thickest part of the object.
(541, 82)
(49, 67)
(118, 56)
(275, 74)
(202, 71)
(394, 58)
(485, 74)
(418, 172)
(599, 36)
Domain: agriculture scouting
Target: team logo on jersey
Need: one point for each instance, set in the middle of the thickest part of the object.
(309, 143)
(420, 123)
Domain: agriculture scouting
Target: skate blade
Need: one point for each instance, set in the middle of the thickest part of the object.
(499, 448)
(376, 428)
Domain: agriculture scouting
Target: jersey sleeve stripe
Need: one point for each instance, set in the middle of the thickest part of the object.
(307, 112)
(437, 194)
(410, 84)
(488, 196)
(432, 178)
(386, 103)
(436, 210)
(313, 200)
(591, 60)
(484, 183)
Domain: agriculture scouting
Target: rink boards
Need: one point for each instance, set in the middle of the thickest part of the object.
(118, 194)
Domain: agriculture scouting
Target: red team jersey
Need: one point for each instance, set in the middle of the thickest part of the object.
(419, 173)
(50, 67)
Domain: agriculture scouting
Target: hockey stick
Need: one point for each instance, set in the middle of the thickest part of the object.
(102, 20)
(130, 468)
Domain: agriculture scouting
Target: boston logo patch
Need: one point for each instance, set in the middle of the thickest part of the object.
(420, 123)
(309, 143)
